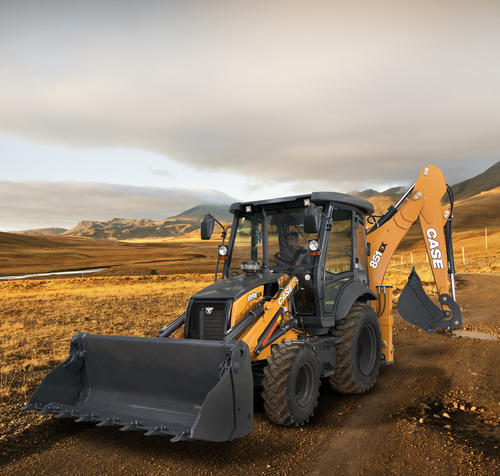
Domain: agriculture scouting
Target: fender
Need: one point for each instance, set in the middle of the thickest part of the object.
(348, 295)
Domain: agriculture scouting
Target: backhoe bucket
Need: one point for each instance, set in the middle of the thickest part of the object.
(415, 307)
(191, 389)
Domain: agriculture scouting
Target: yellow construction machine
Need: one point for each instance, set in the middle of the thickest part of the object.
(298, 297)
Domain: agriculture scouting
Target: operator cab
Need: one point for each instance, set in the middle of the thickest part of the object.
(286, 252)
(320, 238)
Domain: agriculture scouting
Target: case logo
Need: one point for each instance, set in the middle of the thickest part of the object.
(436, 255)
(285, 293)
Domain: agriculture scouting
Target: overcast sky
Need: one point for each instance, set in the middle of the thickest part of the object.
(254, 99)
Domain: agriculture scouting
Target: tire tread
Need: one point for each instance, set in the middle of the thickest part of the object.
(275, 383)
(343, 380)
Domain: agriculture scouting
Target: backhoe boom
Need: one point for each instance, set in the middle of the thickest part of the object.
(421, 202)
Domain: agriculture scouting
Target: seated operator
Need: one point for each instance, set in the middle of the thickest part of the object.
(293, 254)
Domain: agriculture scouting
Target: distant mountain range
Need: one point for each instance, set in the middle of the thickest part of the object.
(369, 193)
(44, 231)
(125, 229)
(189, 220)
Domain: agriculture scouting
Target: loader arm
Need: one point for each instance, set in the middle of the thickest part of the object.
(421, 202)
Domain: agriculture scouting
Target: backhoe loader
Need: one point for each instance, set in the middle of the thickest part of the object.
(298, 297)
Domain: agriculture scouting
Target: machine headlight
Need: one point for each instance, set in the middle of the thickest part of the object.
(222, 250)
(313, 245)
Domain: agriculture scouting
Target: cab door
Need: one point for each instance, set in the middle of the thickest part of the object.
(339, 260)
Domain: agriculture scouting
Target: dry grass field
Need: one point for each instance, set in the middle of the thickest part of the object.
(39, 317)
(20, 254)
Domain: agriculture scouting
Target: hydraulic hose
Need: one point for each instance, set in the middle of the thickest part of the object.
(449, 243)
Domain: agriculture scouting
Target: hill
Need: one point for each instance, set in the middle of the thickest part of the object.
(478, 211)
(488, 180)
(129, 229)
(381, 200)
(221, 212)
(43, 231)
(370, 193)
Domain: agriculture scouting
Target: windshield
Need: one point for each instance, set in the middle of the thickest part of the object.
(287, 240)
(248, 240)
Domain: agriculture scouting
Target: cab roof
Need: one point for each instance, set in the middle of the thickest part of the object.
(364, 206)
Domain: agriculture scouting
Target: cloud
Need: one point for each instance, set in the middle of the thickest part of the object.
(161, 172)
(26, 205)
(346, 94)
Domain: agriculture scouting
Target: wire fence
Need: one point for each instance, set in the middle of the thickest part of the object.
(478, 252)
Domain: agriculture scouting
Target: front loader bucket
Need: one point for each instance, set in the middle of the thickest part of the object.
(191, 389)
(415, 307)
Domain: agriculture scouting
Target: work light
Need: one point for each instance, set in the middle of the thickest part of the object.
(313, 245)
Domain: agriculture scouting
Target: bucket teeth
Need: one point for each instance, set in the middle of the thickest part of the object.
(83, 419)
(87, 417)
(180, 437)
(134, 425)
(109, 422)
(68, 414)
(157, 430)
(50, 409)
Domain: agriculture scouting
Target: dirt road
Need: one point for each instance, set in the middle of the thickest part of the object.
(435, 411)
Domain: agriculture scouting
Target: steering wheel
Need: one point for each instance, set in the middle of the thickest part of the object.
(302, 254)
(291, 262)
(277, 257)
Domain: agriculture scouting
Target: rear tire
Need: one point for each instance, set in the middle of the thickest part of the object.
(291, 384)
(358, 355)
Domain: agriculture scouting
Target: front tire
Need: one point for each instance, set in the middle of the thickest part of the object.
(358, 354)
(291, 384)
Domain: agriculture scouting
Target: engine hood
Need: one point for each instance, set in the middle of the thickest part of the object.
(237, 286)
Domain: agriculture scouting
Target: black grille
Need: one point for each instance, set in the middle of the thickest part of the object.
(208, 320)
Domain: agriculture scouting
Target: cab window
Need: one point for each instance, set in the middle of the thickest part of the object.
(339, 257)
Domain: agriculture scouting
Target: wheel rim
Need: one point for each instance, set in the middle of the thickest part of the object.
(367, 349)
(304, 384)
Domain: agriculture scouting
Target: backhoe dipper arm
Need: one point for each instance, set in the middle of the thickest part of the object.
(422, 202)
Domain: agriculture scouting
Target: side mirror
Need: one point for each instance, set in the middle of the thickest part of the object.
(207, 227)
(312, 219)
